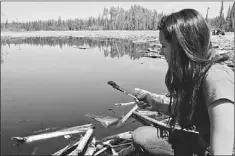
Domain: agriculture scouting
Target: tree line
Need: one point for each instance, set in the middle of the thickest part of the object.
(115, 18)
(222, 22)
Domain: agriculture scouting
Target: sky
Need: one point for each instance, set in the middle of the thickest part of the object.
(31, 11)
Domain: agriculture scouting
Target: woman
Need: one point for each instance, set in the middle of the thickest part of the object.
(201, 91)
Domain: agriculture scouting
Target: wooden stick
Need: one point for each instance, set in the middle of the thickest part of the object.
(91, 147)
(83, 142)
(101, 150)
(67, 148)
(163, 125)
(234, 30)
(127, 116)
(44, 136)
(114, 153)
(123, 144)
(148, 113)
(123, 120)
(114, 85)
(125, 135)
(125, 104)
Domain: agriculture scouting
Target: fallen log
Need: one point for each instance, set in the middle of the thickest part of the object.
(44, 136)
(83, 142)
(161, 124)
(91, 147)
(69, 148)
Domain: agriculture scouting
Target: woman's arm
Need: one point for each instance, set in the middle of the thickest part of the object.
(160, 103)
(221, 114)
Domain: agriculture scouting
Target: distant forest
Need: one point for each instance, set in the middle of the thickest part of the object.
(116, 18)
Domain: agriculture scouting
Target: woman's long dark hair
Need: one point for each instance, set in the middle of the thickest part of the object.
(191, 53)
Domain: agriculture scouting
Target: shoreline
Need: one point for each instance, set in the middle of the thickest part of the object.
(221, 43)
(137, 36)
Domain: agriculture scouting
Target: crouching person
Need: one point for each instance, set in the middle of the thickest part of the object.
(201, 91)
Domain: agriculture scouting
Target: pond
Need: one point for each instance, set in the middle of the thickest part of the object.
(55, 82)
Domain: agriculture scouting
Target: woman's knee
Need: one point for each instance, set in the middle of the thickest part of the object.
(146, 139)
(144, 135)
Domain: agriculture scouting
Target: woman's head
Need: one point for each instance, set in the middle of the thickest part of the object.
(188, 33)
(185, 39)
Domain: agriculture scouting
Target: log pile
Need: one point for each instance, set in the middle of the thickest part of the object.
(118, 144)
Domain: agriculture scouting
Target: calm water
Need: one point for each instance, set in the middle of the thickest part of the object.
(50, 82)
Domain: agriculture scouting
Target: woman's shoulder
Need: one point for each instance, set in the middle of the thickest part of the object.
(220, 71)
(219, 83)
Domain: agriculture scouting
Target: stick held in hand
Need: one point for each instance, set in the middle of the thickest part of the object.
(126, 117)
(116, 86)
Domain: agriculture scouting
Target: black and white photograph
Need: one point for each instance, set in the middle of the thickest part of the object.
(117, 78)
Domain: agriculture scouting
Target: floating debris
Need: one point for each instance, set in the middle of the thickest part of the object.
(69, 148)
(67, 137)
(83, 142)
(82, 47)
(106, 121)
(34, 150)
(44, 136)
(161, 124)
(46, 129)
(110, 109)
(118, 144)
(125, 104)
(125, 135)
(152, 55)
(91, 147)
(116, 86)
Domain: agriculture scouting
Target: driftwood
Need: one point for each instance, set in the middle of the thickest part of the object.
(127, 116)
(153, 55)
(106, 121)
(125, 104)
(91, 147)
(102, 146)
(83, 142)
(116, 86)
(44, 136)
(161, 124)
(148, 113)
(101, 150)
(69, 148)
(46, 129)
(125, 135)
(114, 153)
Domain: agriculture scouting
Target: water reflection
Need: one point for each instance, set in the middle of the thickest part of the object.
(111, 47)
(46, 87)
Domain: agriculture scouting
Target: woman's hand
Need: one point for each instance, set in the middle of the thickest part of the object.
(150, 101)
(145, 101)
